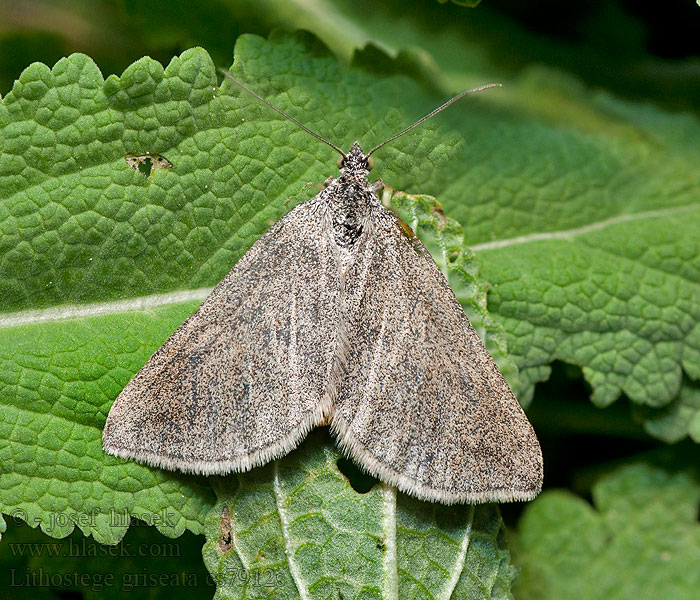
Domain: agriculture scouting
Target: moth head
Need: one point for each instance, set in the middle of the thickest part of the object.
(356, 161)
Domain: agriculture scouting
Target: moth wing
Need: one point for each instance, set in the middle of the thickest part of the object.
(243, 379)
(423, 405)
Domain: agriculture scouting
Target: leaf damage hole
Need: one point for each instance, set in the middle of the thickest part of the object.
(360, 481)
(148, 163)
(226, 539)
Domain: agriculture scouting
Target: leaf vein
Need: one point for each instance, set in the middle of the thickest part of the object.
(569, 234)
(284, 522)
(98, 309)
(459, 563)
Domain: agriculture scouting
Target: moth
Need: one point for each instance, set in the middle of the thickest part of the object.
(337, 316)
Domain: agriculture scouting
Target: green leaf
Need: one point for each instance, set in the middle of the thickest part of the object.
(295, 528)
(643, 524)
(603, 272)
(679, 419)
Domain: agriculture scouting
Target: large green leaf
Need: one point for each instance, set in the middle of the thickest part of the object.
(608, 252)
(296, 527)
(587, 233)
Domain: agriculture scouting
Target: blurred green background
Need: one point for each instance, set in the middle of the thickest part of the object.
(638, 51)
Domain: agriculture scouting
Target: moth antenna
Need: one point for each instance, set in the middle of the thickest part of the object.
(280, 111)
(433, 113)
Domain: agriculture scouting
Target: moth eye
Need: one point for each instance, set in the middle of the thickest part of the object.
(370, 163)
(340, 162)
